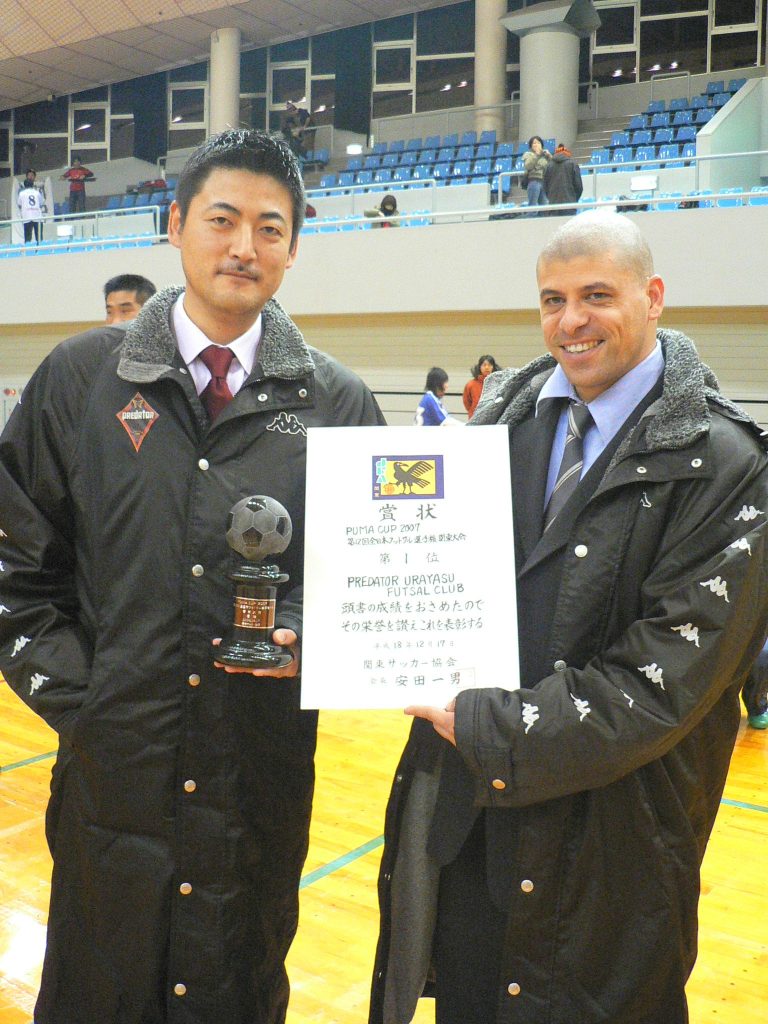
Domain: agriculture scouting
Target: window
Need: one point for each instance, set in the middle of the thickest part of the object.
(44, 154)
(617, 28)
(392, 65)
(735, 12)
(390, 104)
(253, 112)
(253, 71)
(323, 100)
(733, 50)
(393, 29)
(89, 124)
(120, 137)
(324, 54)
(445, 83)
(446, 30)
(289, 84)
(186, 138)
(4, 144)
(680, 40)
(297, 49)
(48, 116)
(650, 7)
(190, 73)
(187, 106)
(100, 95)
(614, 68)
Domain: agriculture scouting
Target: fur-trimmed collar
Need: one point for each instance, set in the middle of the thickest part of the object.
(675, 420)
(149, 347)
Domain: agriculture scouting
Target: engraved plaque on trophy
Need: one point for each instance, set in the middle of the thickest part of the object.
(258, 528)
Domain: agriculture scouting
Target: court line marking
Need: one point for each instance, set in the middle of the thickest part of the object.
(361, 851)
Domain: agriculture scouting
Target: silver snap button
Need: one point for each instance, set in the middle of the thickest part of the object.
(194, 679)
(526, 885)
(696, 463)
(513, 989)
(560, 666)
(185, 888)
(190, 786)
(641, 469)
(263, 397)
(179, 989)
(203, 464)
(302, 392)
(581, 550)
(498, 399)
(197, 570)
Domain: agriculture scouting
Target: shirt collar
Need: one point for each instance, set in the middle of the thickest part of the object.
(191, 340)
(611, 408)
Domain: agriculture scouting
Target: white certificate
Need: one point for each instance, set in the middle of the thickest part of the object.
(409, 573)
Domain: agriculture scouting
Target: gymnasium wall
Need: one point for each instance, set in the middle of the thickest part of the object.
(391, 304)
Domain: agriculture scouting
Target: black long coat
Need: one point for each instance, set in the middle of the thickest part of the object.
(181, 795)
(601, 776)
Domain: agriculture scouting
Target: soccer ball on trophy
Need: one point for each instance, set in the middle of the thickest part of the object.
(258, 526)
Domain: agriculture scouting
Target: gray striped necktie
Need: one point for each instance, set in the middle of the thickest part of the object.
(569, 474)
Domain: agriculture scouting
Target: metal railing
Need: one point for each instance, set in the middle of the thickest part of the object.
(93, 222)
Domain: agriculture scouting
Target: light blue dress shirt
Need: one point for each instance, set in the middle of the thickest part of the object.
(609, 410)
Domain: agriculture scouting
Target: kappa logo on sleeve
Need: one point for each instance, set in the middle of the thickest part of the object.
(138, 418)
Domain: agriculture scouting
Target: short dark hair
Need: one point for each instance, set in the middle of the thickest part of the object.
(248, 150)
(533, 139)
(143, 288)
(30, 170)
(436, 378)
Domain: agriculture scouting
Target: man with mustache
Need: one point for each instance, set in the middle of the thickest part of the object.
(543, 844)
(181, 794)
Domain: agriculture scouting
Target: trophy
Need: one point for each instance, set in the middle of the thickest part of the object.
(257, 528)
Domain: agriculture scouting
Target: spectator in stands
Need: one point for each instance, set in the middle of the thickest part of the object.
(77, 175)
(124, 296)
(431, 411)
(562, 180)
(386, 209)
(755, 692)
(31, 203)
(536, 161)
(297, 128)
(473, 388)
(30, 177)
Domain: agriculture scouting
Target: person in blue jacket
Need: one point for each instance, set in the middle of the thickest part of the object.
(431, 411)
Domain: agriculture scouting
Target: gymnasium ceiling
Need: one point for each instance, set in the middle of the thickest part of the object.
(66, 46)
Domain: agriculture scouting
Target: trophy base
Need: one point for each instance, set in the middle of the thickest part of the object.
(242, 654)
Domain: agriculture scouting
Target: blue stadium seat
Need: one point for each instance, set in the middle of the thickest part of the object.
(379, 148)
(409, 158)
(432, 142)
(670, 155)
(427, 156)
(715, 87)
(720, 99)
(623, 155)
(735, 84)
(441, 171)
(502, 164)
(482, 168)
(319, 157)
(689, 150)
(682, 117)
(390, 160)
(128, 201)
(460, 169)
(668, 201)
(397, 146)
(347, 178)
(681, 103)
(699, 195)
(704, 116)
(414, 144)
(731, 196)
(686, 133)
(655, 107)
(660, 121)
(113, 203)
(484, 151)
(599, 156)
(641, 137)
(451, 140)
(364, 177)
(382, 177)
(372, 162)
(487, 137)
(699, 102)
(662, 135)
(354, 163)
(638, 122)
(402, 174)
(469, 139)
(446, 154)
(646, 153)
(758, 196)
(328, 181)
(505, 149)
(619, 139)
(465, 152)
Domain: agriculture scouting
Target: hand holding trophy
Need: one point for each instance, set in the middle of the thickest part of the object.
(257, 527)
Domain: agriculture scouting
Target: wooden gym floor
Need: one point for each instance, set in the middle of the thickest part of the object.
(330, 961)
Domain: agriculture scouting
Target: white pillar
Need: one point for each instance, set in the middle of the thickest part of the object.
(490, 65)
(549, 84)
(224, 83)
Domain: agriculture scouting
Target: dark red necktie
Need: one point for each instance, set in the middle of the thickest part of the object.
(216, 393)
